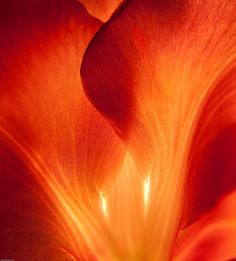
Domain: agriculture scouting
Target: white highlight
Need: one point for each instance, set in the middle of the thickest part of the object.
(146, 191)
(104, 204)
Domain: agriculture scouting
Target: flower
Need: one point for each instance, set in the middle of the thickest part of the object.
(137, 161)
(55, 147)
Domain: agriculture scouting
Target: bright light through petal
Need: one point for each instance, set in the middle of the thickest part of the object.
(146, 191)
(104, 204)
(118, 140)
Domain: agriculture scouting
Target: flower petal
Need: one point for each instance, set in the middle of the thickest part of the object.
(151, 80)
(57, 152)
(101, 9)
(161, 59)
(211, 161)
(213, 237)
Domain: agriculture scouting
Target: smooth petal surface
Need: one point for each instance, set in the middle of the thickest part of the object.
(213, 238)
(101, 9)
(57, 154)
(211, 163)
(162, 60)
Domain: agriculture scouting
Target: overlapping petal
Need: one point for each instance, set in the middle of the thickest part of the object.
(163, 60)
(211, 178)
(56, 152)
(211, 238)
(211, 161)
(163, 74)
(101, 9)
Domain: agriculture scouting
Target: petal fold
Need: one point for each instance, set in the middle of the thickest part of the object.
(149, 70)
(101, 9)
(211, 162)
(212, 237)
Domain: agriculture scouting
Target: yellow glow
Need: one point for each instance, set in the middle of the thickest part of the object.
(146, 191)
(104, 204)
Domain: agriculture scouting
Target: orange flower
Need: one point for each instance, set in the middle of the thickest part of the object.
(165, 78)
(56, 151)
(139, 163)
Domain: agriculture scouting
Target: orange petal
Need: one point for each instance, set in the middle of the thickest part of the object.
(101, 9)
(161, 59)
(213, 238)
(57, 152)
(211, 164)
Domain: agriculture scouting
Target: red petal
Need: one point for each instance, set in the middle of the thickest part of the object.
(56, 150)
(151, 79)
(160, 59)
(213, 238)
(211, 164)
